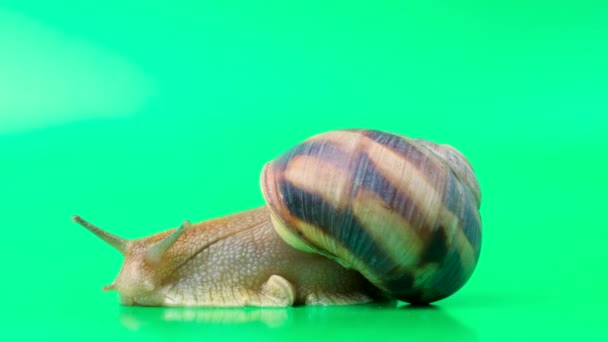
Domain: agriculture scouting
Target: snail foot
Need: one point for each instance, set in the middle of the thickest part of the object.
(323, 299)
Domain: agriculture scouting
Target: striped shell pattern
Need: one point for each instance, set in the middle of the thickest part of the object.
(403, 212)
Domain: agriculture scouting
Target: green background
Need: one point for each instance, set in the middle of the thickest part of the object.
(140, 114)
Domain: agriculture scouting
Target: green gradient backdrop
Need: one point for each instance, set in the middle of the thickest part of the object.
(140, 114)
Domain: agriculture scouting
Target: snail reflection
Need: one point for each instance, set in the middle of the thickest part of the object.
(312, 322)
(350, 216)
(135, 318)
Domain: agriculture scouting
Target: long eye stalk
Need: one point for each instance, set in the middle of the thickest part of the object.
(117, 242)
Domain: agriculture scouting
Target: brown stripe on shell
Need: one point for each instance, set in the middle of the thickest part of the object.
(401, 241)
(408, 149)
(460, 202)
(469, 255)
(424, 198)
(280, 214)
(329, 181)
(341, 225)
(370, 176)
(471, 227)
(437, 247)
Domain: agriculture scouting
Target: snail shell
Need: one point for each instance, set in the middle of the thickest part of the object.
(403, 212)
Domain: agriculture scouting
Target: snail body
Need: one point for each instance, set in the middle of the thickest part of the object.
(350, 216)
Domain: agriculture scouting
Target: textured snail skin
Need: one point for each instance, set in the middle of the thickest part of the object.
(234, 261)
(350, 216)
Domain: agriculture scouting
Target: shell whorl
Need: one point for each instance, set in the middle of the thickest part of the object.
(403, 212)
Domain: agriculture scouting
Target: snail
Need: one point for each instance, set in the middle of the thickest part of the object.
(350, 216)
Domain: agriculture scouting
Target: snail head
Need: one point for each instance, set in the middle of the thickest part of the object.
(141, 274)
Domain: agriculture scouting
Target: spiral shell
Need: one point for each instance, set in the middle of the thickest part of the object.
(403, 212)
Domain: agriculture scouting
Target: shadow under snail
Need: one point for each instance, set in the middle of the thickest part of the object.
(350, 216)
